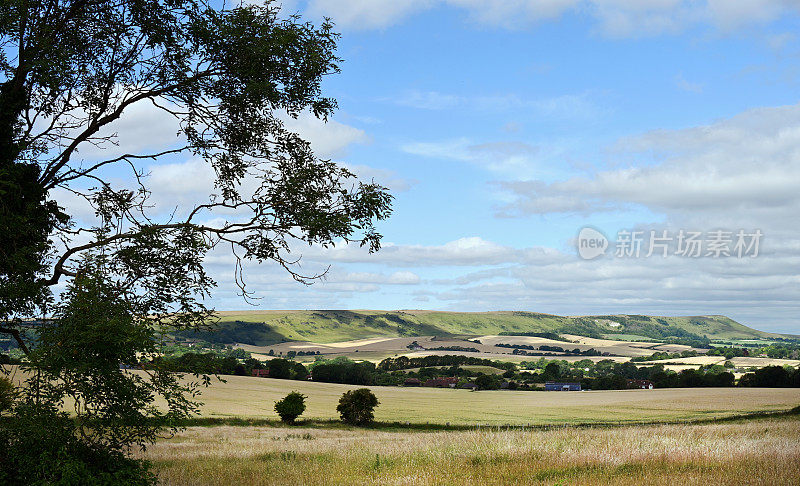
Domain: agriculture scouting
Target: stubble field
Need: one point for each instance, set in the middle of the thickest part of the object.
(254, 398)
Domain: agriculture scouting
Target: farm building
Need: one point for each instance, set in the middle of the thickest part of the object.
(412, 382)
(260, 372)
(558, 386)
(469, 386)
(640, 384)
(449, 382)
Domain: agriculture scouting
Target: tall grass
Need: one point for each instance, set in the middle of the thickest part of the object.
(763, 451)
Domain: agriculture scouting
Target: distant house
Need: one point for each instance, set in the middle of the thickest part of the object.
(412, 382)
(558, 386)
(469, 386)
(448, 382)
(260, 372)
(640, 384)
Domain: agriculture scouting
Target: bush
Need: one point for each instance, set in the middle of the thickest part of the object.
(291, 406)
(356, 406)
(7, 394)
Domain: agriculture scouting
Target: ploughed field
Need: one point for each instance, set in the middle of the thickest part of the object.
(757, 451)
(254, 398)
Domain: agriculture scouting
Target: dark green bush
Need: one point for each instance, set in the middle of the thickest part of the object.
(356, 406)
(291, 407)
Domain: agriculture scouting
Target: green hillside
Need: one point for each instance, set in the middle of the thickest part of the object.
(325, 326)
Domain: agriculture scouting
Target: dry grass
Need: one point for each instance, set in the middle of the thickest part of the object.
(254, 397)
(765, 451)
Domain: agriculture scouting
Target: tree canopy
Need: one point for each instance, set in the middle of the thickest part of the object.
(77, 209)
(70, 70)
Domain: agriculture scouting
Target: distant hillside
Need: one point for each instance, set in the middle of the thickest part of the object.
(261, 328)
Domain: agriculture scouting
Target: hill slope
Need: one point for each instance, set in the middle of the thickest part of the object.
(262, 328)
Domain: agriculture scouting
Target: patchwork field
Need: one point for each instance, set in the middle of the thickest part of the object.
(759, 452)
(254, 398)
(376, 349)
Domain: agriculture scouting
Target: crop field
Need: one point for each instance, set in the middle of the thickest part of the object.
(254, 398)
(739, 362)
(376, 349)
(759, 451)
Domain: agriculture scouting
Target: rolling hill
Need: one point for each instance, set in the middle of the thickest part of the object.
(262, 328)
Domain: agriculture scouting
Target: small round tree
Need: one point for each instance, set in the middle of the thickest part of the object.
(356, 406)
(291, 407)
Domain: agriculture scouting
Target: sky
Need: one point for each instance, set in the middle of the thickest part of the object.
(503, 128)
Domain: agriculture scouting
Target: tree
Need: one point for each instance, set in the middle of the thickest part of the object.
(280, 368)
(488, 382)
(71, 72)
(81, 411)
(356, 406)
(291, 406)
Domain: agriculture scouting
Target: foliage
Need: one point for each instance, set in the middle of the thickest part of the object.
(227, 76)
(290, 370)
(343, 370)
(404, 362)
(77, 363)
(44, 446)
(488, 382)
(356, 406)
(291, 407)
(772, 377)
(8, 394)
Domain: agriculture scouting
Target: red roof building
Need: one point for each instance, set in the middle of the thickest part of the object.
(448, 382)
(260, 372)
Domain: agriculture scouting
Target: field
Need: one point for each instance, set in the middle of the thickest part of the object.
(760, 451)
(254, 398)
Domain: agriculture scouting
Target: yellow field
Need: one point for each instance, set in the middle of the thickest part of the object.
(763, 451)
(254, 397)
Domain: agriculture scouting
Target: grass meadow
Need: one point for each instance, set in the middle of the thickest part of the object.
(755, 451)
(249, 397)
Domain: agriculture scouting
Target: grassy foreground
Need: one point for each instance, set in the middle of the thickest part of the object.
(759, 451)
(254, 398)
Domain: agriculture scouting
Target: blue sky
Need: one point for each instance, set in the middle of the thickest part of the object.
(504, 127)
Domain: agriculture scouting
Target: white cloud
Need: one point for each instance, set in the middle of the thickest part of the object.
(367, 14)
(615, 18)
(729, 14)
(143, 128)
(514, 13)
(748, 165)
(508, 158)
(467, 251)
(396, 278)
(384, 177)
(329, 140)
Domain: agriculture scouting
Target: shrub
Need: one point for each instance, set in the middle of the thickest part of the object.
(7, 394)
(291, 406)
(356, 406)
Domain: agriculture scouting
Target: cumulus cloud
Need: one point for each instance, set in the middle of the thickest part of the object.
(748, 164)
(467, 251)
